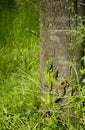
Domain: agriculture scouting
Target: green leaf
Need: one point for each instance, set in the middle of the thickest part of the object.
(82, 71)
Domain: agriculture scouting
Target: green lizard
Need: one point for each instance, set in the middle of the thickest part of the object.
(49, 74)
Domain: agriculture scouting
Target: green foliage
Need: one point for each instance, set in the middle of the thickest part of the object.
(79, 42)
(19, 74)
(19, 65)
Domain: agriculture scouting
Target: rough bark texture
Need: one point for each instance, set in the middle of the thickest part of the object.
(56, 20)
(81, 7)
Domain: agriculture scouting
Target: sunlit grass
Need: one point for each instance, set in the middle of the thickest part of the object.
(19, 66)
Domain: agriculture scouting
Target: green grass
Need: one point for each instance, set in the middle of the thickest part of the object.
(20, 94)
(19, 65)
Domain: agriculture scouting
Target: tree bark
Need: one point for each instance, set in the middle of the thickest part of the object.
(57, 19)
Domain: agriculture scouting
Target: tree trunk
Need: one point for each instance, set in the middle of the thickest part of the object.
(57, 19)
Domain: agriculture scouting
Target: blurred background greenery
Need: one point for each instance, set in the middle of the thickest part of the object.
(19, 63)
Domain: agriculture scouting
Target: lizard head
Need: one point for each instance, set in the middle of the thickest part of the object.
(49, 65)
